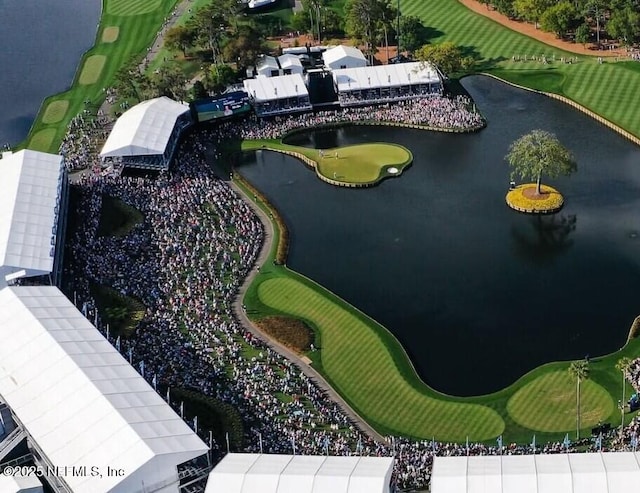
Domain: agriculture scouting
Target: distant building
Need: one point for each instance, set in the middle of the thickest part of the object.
(269, 66)
(343, 57)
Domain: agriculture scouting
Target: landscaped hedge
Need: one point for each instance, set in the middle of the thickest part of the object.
(288, 331)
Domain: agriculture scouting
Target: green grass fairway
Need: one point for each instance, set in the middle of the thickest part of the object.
(91, 70)
(363, 163)
(548, 403)
(132, 7)
(42, 139)
(55, 111)
(110, 34)
(366, 372)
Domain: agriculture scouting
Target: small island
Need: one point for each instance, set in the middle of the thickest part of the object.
(530, 156)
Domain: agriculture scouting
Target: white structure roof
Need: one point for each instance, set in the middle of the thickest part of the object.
(393, 75)
(16, 483)
(259, 473)
(273, 88)
(344, 56)
(291, 62)
(144, 129)
(30, 192)
(81, 401)
(554, 473)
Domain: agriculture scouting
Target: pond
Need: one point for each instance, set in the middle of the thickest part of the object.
(477, 293)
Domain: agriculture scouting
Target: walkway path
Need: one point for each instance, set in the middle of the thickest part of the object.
(538, 34)
(300, 362)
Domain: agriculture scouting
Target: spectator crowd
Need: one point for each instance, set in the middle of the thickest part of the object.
(185, 261)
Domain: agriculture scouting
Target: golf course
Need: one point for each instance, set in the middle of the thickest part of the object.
(359, 357)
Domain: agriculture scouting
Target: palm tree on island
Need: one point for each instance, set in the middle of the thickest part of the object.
(532, 155)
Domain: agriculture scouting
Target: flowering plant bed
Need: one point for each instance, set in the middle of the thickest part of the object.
(524, 198)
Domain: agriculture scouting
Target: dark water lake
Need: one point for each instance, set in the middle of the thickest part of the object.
(478, 294)
(42, 42)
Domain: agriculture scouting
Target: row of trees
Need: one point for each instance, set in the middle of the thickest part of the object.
(618, 19)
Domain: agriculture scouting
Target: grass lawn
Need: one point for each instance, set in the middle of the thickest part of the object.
(607, 89)
(134, 24)
(362, 164)
(122, 313)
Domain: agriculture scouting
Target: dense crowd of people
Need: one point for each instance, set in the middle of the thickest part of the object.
(186, 260)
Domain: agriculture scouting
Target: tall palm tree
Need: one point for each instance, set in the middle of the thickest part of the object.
(623, 365)
(579, 371)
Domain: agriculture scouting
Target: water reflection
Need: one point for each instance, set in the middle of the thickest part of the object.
(543, 238)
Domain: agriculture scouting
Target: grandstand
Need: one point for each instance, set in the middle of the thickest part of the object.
(546, 473)
(278, 95)
(32, 215)
(385, 83)
(89, 420)
(251, 473)
(146, 135)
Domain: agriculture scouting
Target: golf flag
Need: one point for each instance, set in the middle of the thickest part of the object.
(154, 382)
(227, 438)
(95, 319)
(634, 441)
(118, 343)
(195, 424)
(107, 332)
(130, 355)
(499, 440)
(566, 442)
(260, 441)
(359, 446)
(182, 409)
(168, 397)
(433, 445)
(533, 444)
(142, 368)
(599, 442)
(326, 445)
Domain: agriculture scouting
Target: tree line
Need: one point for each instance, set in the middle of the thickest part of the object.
(583, 21)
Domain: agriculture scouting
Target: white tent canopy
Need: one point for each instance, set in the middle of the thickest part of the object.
(16, 483)
(31, 184)
(343, 57)
(394, 75)
(261, 473)
(144, 129)
(274, 88)
(552, 473)
(81, 402)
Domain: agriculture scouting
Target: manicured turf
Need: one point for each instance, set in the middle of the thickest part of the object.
(363, 369)
(55, 111)
(92, 69)
(135, 33)
(110, 34)
(608, 89)
(363, 163)
(548, 403)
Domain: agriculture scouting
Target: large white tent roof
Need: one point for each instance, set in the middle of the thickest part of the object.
(553, 473)
(343, 55)
(144, 129)
(393, 75)
(273, 88)
(81, 401)
(28, 200)
(253, 473)
(16, 483)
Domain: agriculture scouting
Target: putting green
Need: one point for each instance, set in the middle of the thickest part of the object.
(91, 70)
(548, 403)
(110, 34)
(41, 140)
(365, 370)
(363, 163)
(55, 111)
(132, 7)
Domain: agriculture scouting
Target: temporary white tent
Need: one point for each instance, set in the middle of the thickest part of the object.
(81, 402)
(545, 473)
(16, 483)
(274, 88)
(341, 57)
(31, 185)
(394, 75)
(260, 473)
(144, 129)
